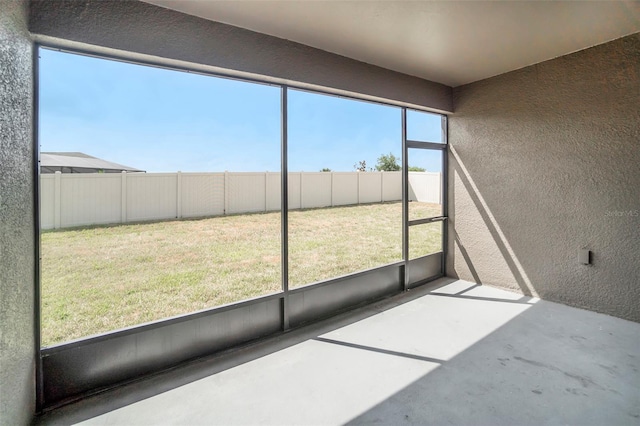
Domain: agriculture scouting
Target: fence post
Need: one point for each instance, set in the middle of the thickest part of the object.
(57, 208)
(179, 194)
(301, 190)
(226, 192)
(358, 188)
(123, 197)
(266, 186)
(331, 189)
(381, 190)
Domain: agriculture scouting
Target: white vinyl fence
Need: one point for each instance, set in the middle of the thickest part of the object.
(68, 200)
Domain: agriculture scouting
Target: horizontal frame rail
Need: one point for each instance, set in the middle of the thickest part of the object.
(427, 220)
(427, 145)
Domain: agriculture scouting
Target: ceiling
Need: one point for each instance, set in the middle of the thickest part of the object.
(449, 42)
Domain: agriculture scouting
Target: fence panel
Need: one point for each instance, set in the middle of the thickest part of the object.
(370, 187)
(345, 188)
(316, 190)
(273, 192)
(151, 196)
(202, 194)
(47, 201)
(89, 199)
(245, 192)
(391, 186)
(425, 187)
(295, 187)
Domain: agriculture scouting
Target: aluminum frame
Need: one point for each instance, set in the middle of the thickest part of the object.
(445, 193)
(405, 201)
(284, 206)
(413, 278)
(39, 387)
(328, 297)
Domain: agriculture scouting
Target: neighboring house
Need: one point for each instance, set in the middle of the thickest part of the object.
(78, 162)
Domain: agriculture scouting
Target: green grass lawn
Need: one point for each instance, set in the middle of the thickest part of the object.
(100, 279)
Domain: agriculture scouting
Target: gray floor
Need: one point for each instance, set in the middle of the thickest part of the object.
(455, 354)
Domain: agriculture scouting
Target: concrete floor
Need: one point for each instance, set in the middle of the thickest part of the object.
(453, 353)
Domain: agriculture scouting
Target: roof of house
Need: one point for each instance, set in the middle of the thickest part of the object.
(80, 160)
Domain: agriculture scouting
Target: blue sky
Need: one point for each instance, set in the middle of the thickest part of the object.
(164, 121)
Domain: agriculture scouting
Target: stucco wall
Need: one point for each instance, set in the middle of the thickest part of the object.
(545, 161)
(17, 385)
(147, 29)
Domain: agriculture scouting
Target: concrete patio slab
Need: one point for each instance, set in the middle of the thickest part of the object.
(450, 353)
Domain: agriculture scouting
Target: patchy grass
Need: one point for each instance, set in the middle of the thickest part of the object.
(105, 278)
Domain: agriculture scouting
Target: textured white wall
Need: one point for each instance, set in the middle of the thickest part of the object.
(543, 162)
(17, 248)
(147, 29)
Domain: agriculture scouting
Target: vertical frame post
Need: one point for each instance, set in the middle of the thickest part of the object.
(37, 304)
(405, 201)
(444, 187)
(284, 206)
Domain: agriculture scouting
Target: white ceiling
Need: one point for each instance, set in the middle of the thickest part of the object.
(450, 42)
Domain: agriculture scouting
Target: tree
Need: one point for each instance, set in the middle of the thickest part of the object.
(360, 166)
(325, 169)
(416, 169)
(388, 163)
